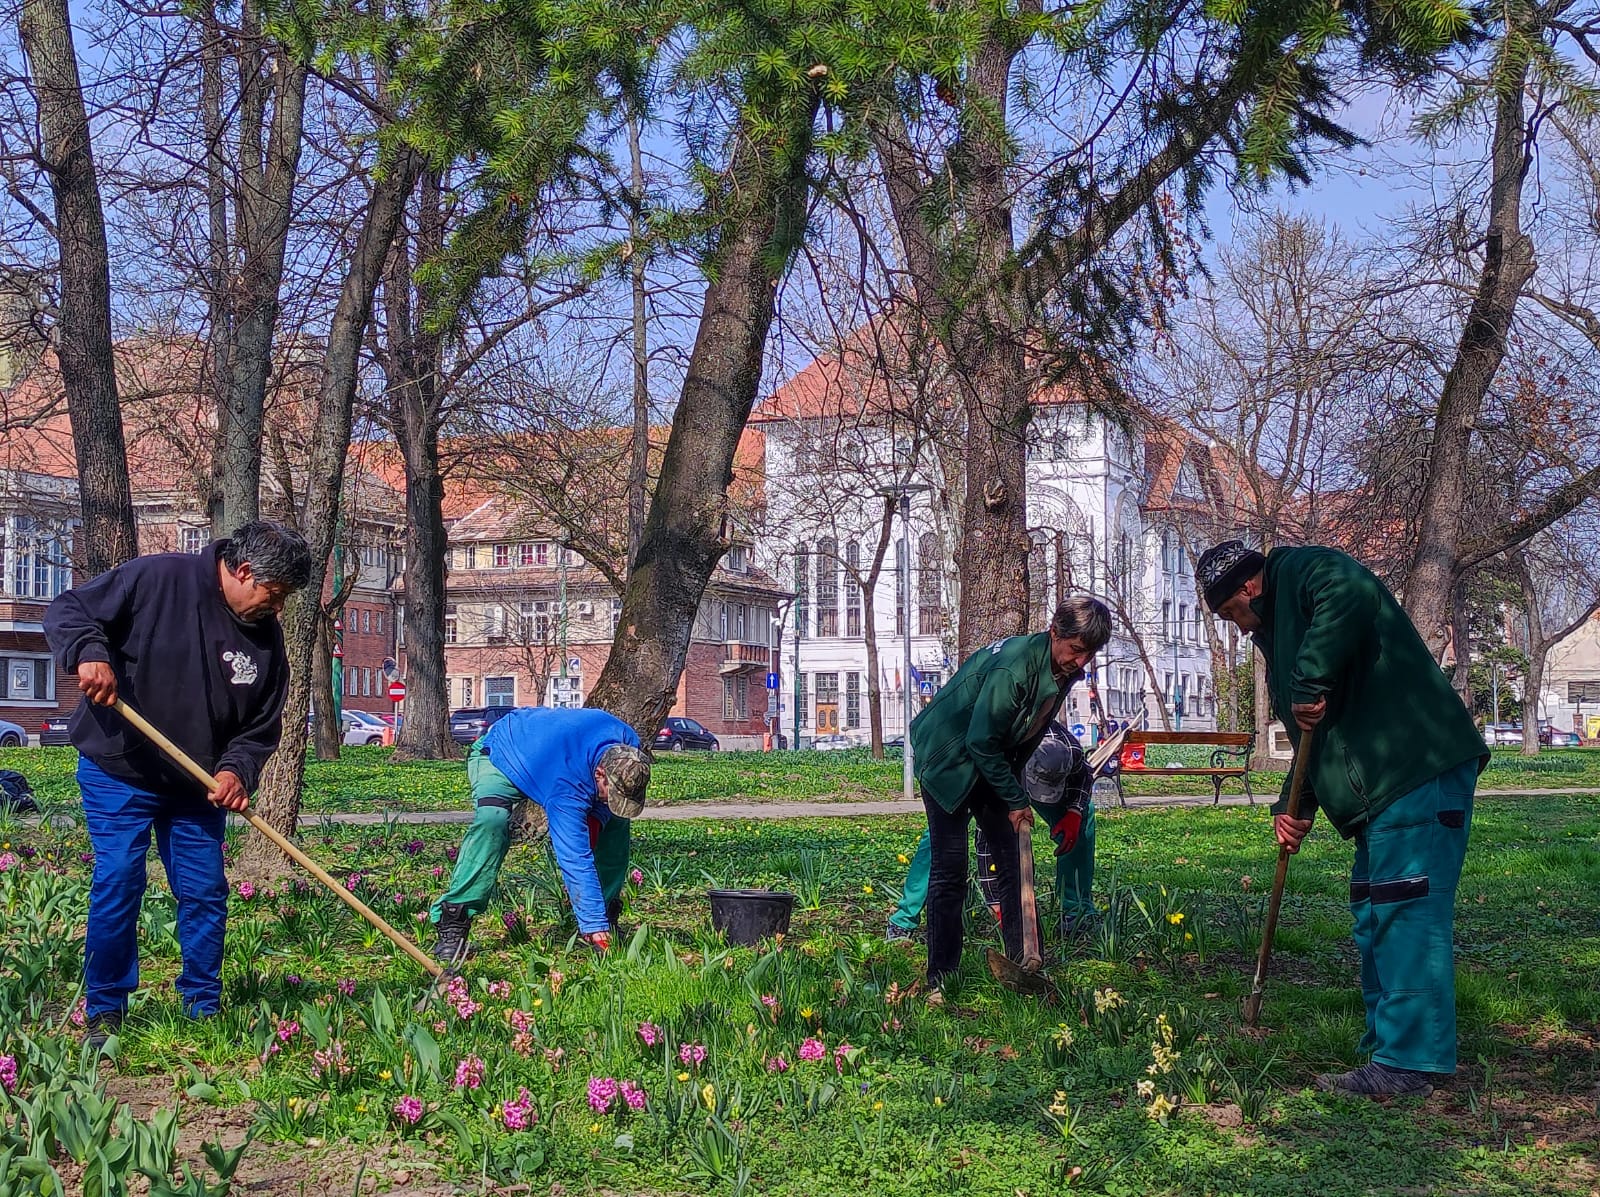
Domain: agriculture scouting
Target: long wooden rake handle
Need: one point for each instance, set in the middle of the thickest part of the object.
(159, 739)
(1032, 956)
(1252, 1004)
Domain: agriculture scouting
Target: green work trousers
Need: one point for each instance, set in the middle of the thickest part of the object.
(1403, 896)
(1074, 874)
(484, 847)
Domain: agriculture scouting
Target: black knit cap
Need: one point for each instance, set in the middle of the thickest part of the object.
(1224, 568)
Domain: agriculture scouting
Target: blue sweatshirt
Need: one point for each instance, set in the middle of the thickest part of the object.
(550, 754)
(212, 682)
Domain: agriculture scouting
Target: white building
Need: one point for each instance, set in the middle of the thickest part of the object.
(1103, 508)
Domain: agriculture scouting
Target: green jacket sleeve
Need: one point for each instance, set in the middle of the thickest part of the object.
(1341, 601)
(994, 716)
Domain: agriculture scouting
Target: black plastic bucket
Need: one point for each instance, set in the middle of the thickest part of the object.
(747, 916)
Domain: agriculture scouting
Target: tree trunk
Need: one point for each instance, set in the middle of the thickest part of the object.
(264, 206)
(413, 358)
(109, 535)
(1508, 264)
(329, 737)
(278, 801)
(1461, 640)
(684, 531)
(869, 625)
(639, 461)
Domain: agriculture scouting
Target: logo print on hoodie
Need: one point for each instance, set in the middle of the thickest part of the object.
(244, 669)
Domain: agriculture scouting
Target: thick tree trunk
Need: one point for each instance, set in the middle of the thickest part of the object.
(1508, 264)
(684, 531)
(278, 801)
(268, 167)
(413, 359)
(109, 535)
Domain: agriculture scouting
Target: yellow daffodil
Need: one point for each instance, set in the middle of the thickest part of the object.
(866, 889)
(1175, 918)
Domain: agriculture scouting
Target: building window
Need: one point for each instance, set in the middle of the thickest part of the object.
(802, 591)
(736, 697)
(39, 566)
(852, 700)
(802, 707)
(28, 679)
(741, 616)
(524, 555)
(502, 560)
(541, 553)
(366, 621)
(450, 623)
(852, 590)
(827, 587)
(1166, 619)
(366, 683)
(191, 540)
(1182, 630)
(737, 561)
(827, 703)
(499, 691)
(929, 602)
(377, 621)
(466, 691)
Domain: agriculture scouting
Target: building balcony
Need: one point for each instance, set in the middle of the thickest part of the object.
(740, 657)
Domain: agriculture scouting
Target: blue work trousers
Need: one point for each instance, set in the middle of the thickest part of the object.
(189, 832)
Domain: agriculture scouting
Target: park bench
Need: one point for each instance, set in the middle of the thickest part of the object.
(1230, 757)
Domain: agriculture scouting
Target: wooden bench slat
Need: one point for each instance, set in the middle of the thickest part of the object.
(1157, 769)
(1227, 739)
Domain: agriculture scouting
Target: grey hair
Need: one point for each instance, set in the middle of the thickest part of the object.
(1086, 618)
(276, 553)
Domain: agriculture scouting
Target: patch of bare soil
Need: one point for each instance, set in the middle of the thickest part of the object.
(1227, 1117)
(287, 1169)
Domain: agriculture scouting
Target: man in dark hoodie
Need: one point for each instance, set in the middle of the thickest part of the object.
(1394, 761)
(192, 642)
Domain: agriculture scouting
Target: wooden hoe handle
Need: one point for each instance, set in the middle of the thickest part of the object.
(1252, 1005)
(159, 739)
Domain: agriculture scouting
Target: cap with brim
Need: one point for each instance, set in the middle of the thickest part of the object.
(627, 777)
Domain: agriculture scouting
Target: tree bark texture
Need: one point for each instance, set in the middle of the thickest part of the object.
(268, 167)
(1508, 265)
(83, 343)
(413, 357)
(684, 535)
(639, 461)
(278, 801)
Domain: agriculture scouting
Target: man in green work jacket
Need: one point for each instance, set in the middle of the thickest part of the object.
(1395, 760)
(969, 747)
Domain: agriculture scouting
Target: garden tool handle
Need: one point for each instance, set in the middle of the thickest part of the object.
(1252, 1005)
(182, 758)
(1032, 957)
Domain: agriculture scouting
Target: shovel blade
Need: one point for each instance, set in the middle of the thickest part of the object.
(1015, 977)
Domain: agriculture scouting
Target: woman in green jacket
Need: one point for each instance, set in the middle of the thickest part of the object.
(969, 746)
(1395, 760)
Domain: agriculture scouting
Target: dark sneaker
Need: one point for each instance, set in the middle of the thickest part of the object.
(454, 926)
(1377, 1080)
(896, 933)
(101, 1028)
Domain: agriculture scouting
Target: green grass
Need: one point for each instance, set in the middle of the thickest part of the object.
(365, 779)
(983, 1096)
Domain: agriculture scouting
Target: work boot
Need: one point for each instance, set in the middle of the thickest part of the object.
(895, 933)
(454, 926)
(1377, 1080)
(101, 1028)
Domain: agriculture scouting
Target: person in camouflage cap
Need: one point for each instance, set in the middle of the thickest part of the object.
(581, 775)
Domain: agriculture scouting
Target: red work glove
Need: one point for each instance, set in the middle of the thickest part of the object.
(1067, 827)
(600, 941)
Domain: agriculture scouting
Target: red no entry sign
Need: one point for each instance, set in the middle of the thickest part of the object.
(397, 691)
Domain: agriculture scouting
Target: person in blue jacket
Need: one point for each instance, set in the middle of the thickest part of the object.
(584, 771)
(191, 641)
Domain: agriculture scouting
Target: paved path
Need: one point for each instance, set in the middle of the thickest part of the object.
(733, 812)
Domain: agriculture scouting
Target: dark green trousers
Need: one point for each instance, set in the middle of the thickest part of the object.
(1403, 897)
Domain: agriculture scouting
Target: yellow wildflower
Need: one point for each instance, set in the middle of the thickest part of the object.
(1175, 918)
(594, 1128)
(901, 857)
(938, 1101)
(866, 889)
(537, 1002)
(386, 1075)
(1059, 1106)
(708, 1094)
(683, 1076)
(877, 1105)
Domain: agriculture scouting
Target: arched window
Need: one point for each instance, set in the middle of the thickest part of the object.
(852, 591)
(827, 587)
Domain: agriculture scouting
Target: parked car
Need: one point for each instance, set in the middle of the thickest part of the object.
(363, 727)
(12, 735)
(833, 743)
(1502, 735)
(467, 724)
(1564, 739)
(53, 732)
(678, 734)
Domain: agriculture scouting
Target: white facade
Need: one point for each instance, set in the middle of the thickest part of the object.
(1087, 493)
